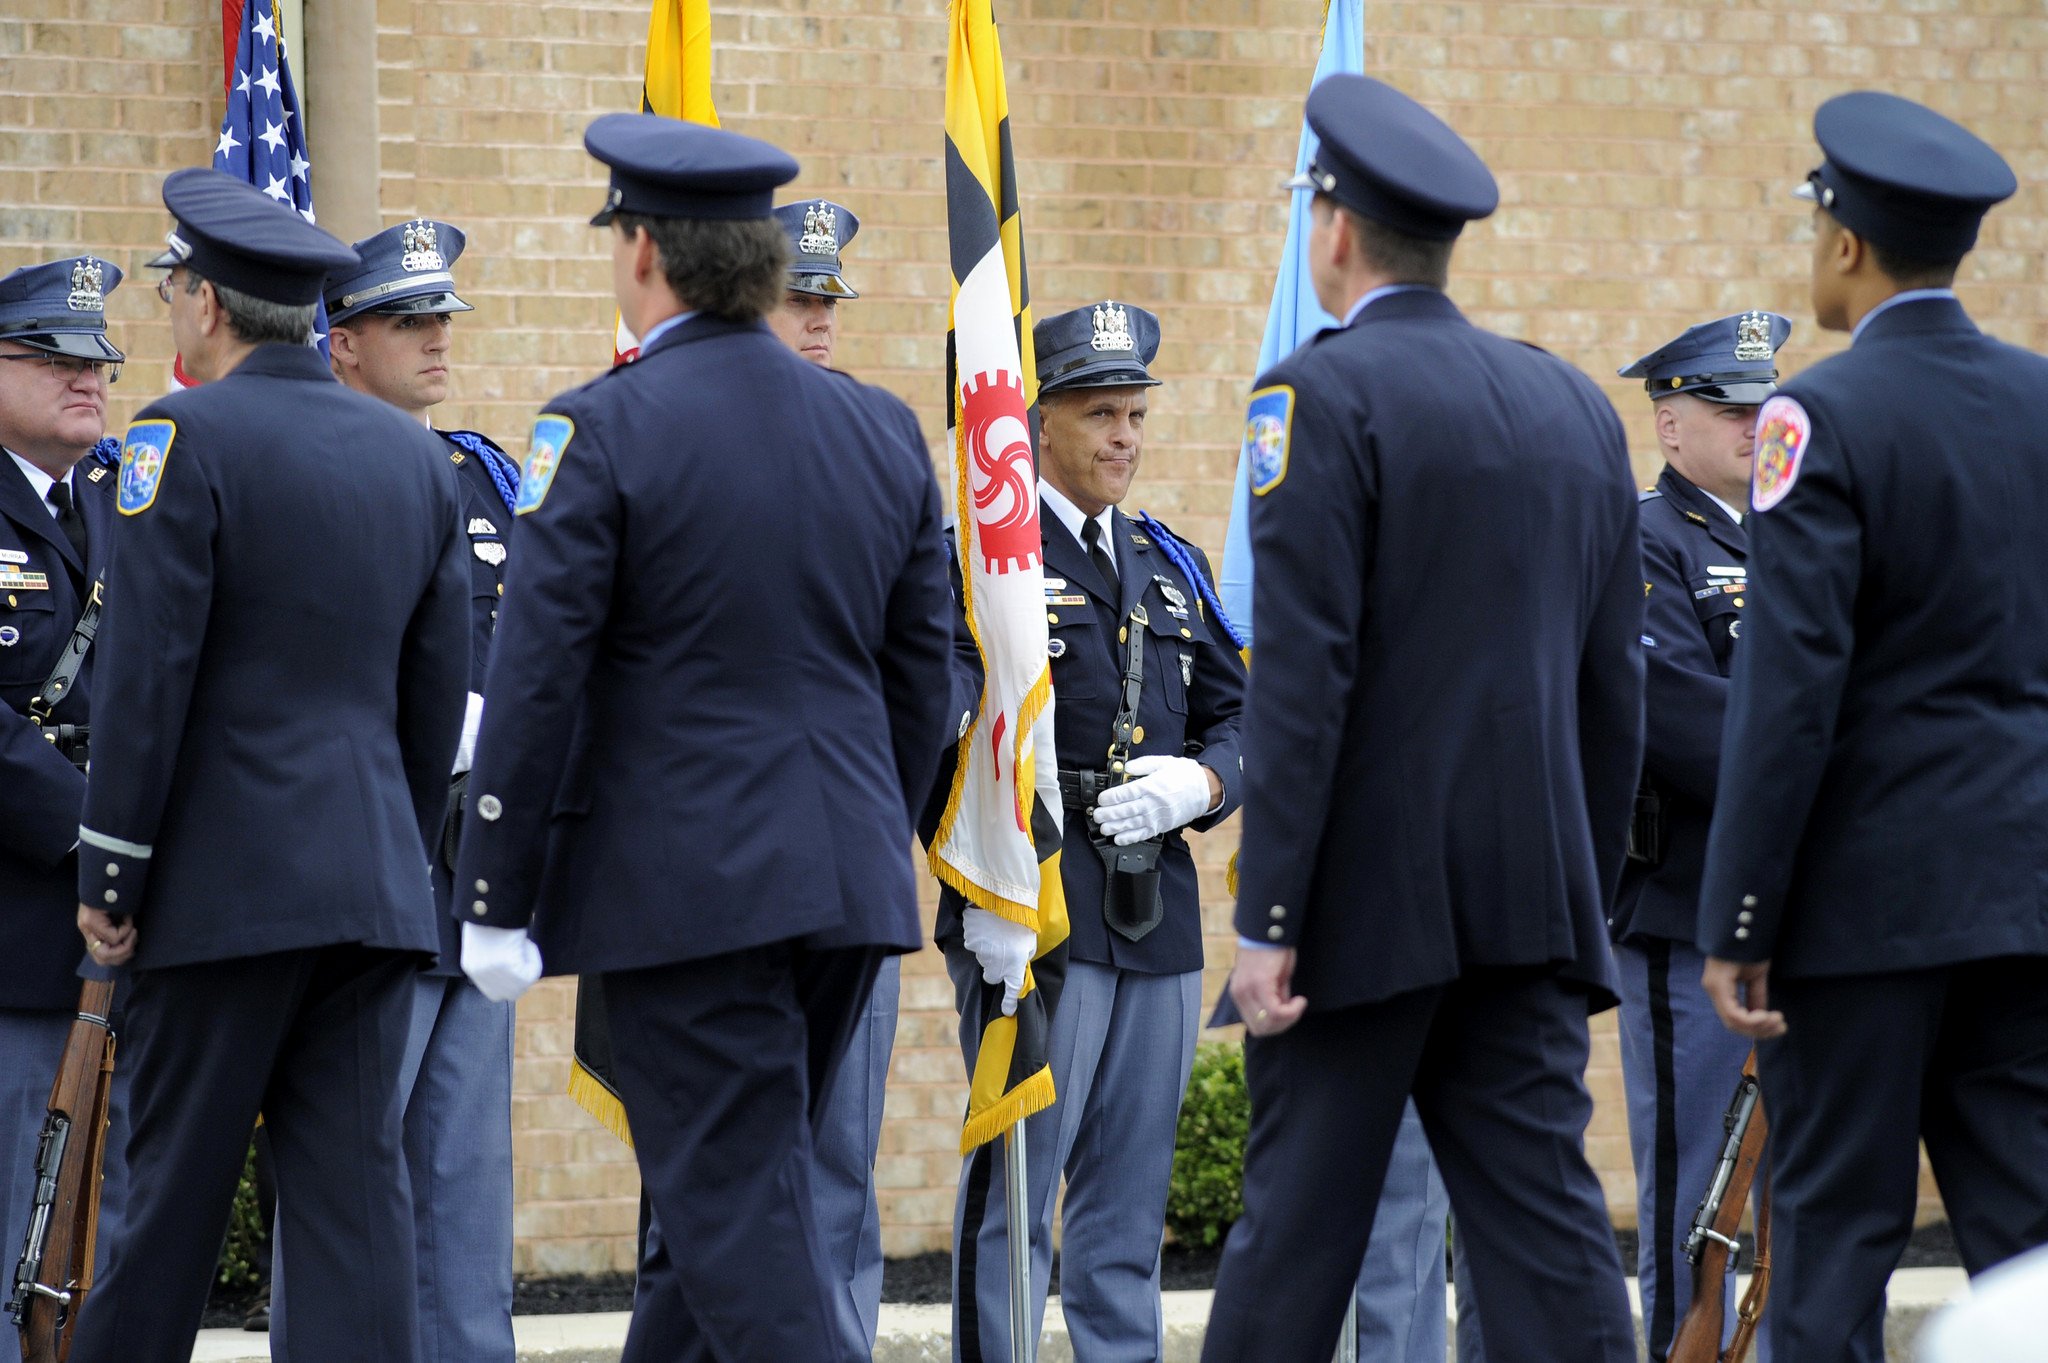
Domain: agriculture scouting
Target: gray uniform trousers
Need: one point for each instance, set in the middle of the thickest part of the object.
(849, 1136)
(456, 1078)
(1123, 1044)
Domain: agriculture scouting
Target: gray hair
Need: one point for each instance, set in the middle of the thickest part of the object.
(258, 321)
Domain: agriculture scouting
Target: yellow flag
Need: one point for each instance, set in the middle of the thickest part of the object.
(998, 843)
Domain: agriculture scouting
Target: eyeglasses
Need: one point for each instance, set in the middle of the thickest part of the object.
(163, 289)
(71, 366)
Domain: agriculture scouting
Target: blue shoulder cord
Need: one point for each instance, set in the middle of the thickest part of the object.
(108, 451)
(498, 464)
(1185, 561)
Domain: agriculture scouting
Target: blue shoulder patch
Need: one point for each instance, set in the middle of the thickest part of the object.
(551, 435)
(1268, 423)
(143, 451)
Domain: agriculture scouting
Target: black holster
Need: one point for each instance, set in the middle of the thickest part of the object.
(1646, 827)
(451, 826)
(72, 740)
(1130, 886)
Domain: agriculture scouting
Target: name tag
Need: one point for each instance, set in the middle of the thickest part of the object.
(13, 556)
(1066, 601)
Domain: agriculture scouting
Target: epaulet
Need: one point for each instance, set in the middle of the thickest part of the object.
(1648, 494)
(107, 451)
(502, 467)
(1184, 558)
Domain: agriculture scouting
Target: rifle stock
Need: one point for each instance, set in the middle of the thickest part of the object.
(1711, 1242)
(54, 1273)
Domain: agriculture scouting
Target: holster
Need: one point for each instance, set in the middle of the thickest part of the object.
(451, 826)
(1646, 827)
(1130, 886)
(72, 740)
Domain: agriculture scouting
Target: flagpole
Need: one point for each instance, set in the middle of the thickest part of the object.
(1347, 1343)
(1017, 1200)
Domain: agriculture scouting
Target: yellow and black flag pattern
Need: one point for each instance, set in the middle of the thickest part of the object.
(999, 841)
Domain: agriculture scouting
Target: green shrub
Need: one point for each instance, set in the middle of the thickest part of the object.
(1207, 1193)
(245, 1256)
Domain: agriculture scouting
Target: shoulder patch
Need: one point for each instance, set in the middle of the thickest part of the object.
(1783, 431)
(144, 448)
(551, 436)
(1268, 422)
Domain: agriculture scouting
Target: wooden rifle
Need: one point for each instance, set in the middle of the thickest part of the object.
(54, 1273)
(1711, 1244)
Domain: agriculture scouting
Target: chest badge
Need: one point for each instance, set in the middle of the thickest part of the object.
(490, 551)
(9, 636)
(1176, 604)
(1055, 648)
(1187, 669)
(479, 526)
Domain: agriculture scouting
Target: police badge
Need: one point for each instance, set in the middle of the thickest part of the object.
(87, 295)
(422, 247)
(821, 231)
(1753, 338)
(1112, 328)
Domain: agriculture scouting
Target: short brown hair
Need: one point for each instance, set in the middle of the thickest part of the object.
(1401, 258)
(733, 269)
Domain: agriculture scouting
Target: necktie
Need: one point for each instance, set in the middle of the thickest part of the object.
(1091, 539)
(68, 519)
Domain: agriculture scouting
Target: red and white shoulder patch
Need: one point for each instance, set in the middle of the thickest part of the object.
(1782, 432)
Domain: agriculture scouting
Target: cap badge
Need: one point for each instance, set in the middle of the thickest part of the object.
(86, 279)
(422, 247)
(1112, 328)
(821, 231)
(1753, 338)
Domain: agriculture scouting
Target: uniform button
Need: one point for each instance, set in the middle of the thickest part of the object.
(501, 589)
(1138, 734)
(479, 908)
(494, 615)
(113, 868)
(1052, 617)
(488, 808)
(483, 887)
(1185, 635)
(10, 598)
(1275, 933)
(1742, 934)
(112, 897)
(1749, 901)
(1276, 913)
(1738, 600)
(1745, 917)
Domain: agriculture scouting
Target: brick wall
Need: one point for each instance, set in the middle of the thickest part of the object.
(1644, 150)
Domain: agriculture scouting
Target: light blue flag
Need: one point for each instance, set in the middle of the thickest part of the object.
(1295, 315)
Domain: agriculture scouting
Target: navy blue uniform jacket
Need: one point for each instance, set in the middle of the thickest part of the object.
(282, 664)
(1884, 775)
(40, 790)
(1192, 697)
(1695, 591)
(720, 683)
(1445, 724)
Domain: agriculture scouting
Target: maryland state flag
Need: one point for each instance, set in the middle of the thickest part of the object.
(999, 841)
(678, 85)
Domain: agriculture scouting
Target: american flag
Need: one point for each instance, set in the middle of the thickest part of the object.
(262, 138)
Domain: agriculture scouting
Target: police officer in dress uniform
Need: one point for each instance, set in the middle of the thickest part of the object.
(391, 329)
(1679, 1064)
(1443, 737)
(56, 514)
(280, 696)
(1873, 903)
(715, 703)
(1133, 625)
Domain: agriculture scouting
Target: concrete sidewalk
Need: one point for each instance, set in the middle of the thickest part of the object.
(922, 1334)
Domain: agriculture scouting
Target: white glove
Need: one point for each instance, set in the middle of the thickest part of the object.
(1169, 792)
(502, 963)
(1003, 948)
(472, 720)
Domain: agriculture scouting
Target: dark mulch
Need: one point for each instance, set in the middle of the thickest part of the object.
(927, 1279)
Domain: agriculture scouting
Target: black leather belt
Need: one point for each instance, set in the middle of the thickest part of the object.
(1079, 790)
